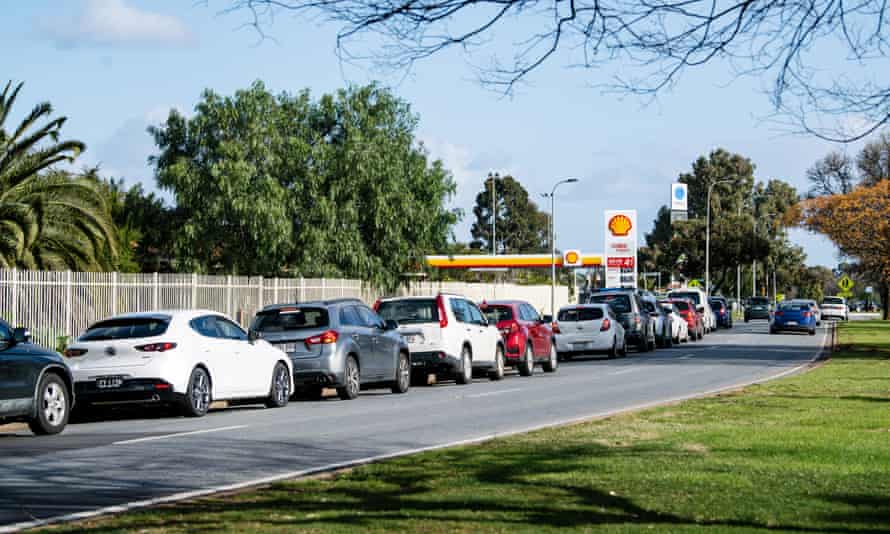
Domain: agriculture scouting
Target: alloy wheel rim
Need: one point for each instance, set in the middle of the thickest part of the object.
(352, 378)
(500, 363)
(281, 385)
(553, 358)
(404, 372)
(468, 369)
(54, 404)
(200, 393)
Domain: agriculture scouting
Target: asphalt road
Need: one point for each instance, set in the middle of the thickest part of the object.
(135, 459)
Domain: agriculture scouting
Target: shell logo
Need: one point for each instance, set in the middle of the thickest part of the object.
(572, 258)
(620, 225)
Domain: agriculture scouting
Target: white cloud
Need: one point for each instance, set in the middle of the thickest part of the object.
(113, 22)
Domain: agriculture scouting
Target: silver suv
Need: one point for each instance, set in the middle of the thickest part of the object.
(338, 344)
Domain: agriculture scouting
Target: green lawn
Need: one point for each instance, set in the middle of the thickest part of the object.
(809, 453)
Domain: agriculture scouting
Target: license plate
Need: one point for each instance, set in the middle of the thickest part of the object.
(109, 382)
(791, 323)
(414, 339)
(288, 347)
(581, 346)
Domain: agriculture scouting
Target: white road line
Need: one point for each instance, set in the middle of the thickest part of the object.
(625, 371)
(180, 434)
(490, 393)
(187, 495)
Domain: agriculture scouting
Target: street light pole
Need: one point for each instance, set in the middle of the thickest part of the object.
(552, 196)
(494, 215)
(708, 237)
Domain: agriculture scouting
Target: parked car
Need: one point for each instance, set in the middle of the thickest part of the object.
(663, 330)
(187, 358)
(722, 311)
(757, 308)
(700, 299)
(35, 383)
(448, 336)
(835, 307)
(793, 316)
(528, 340)
(679, 326)
(339, 344)
(814, 307)
(694, 320)
(639, 327)
(589, 328)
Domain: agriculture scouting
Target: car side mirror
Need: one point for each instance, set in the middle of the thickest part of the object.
(547, 319)
(390, 324)
(21, 335)
(701, 309)
(253, 336)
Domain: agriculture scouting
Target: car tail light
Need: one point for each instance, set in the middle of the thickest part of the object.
(512, 329)
(325, 338)
(162, 385)
(555, 328)
(156, 347)
(778, 314)
(443, 317)
(74, 353)
(637, 319)
(806, 314)
(607, 324)
(376, 305)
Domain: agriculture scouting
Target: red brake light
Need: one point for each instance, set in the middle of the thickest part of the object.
(779, 313)
(637, 318)
(806, 314)
(606, 325)
(325, 338)
(156, 347)
(443, 317)
(74, 353)
(376, 306)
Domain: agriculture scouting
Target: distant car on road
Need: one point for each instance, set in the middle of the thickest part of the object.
(448, 336)
(639, 327)
(589, 328)
(700, 299)
(793, 316)
(663, 329)
(338, 343)
(757, 308)
(679, 326)
(527, 338)
(814, 307)
(694, 320)
(835, 307)
(187, 358)
(722, 311)
(35, 383)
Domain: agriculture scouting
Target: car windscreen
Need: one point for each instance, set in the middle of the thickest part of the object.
(496, 314)
(693, 296)
(681, 305)
(291, 318)
(618, 301)
(716, 303)
(573, 315)
(409, 311)
(126, 328)
(759, 301)
(832, 300)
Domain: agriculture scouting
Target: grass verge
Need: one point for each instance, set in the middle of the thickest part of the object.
(810, 453)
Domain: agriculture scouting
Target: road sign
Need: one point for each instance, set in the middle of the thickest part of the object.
(694, 283)
(571, 258)
(780, 297)
(869, 289)
(845, 283)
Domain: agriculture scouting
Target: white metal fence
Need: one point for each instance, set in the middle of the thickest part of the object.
(56, 305)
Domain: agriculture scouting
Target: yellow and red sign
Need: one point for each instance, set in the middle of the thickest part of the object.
(620, 225)
(511, 261)
(572, 258)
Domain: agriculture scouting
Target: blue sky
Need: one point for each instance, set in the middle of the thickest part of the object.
(116, 66)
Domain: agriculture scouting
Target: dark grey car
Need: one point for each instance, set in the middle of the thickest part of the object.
(639, 326)
(35, 383)
(338, 344)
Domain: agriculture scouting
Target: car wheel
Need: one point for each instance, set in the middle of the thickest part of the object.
(613, 352)
(527, 367)
(465, 374)
(279, 393)
(403, 375)
(197, 396)
(53, 406)
(668, 341)
(498, 372)
(623, 348)
(813, 332)
(351, 381)
(553, 362)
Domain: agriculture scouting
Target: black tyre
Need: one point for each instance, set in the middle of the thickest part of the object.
(613, 352)
(552, 362)
(53, 406)
(527, 365)
(813, 332)
(668, 341)
(197, 397)
(351, 380)
(279, 392)
(498, 372)
(465, 373)
(402, 383)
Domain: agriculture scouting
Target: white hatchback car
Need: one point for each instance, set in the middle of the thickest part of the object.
(679, 327)
(186, 357)
(448, 335)
(700, 299)
(588, 328)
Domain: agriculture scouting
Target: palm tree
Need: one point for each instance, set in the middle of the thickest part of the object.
(48, 218)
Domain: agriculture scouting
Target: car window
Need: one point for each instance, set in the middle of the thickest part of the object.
(681, 305)
(475, 313)
(832, 300)
(572, 315)
(498, 313)
(691, 295)
(126, 328)
(619, 301)
(5, 332)
(759, 301)
(369, 318)
(460, 310)
(205, 326)
(409, 311)
(531, 313)
(647, 306)
(229, 330)
(349, 316)
(291, 318)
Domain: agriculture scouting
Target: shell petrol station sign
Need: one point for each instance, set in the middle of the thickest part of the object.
(621, 248)
(571, 258)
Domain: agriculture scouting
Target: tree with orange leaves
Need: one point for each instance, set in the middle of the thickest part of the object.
(859, 224)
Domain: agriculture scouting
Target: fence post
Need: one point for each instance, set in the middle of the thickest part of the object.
(15, 297)
(324, 288)
(302, 289)
(194, 303)
(275, 290)
(259, 304)
(114, 293)
(68, 291)
(229, 295)
(154, 291)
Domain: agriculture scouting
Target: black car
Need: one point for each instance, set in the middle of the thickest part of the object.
(757, 308)
(722, 311)
(35, 383)
(639, 326)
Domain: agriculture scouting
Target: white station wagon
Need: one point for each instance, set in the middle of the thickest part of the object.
(186, 357)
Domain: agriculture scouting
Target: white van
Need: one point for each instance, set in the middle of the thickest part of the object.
(700, 299)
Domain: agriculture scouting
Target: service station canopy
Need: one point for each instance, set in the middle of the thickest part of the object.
(510, 261)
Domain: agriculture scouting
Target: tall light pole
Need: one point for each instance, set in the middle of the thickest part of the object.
(708, 236)
(553, 241)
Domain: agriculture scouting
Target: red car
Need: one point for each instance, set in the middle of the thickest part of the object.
(527, 338)
(694, 320)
